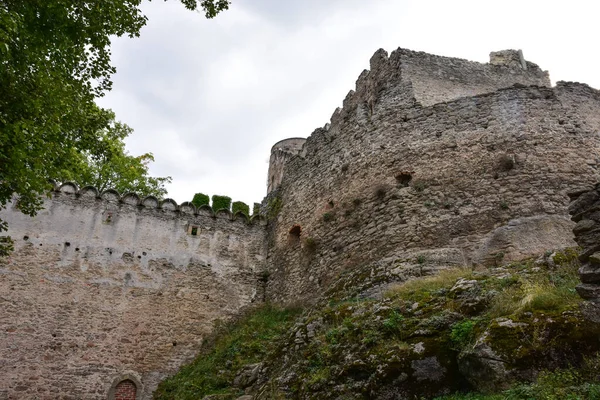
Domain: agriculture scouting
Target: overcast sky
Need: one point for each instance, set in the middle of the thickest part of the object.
(210, 97)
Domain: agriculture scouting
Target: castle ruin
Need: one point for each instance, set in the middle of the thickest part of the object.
(431, 160)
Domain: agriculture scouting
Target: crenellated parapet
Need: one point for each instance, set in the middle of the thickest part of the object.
(169, 206)
(133, 282)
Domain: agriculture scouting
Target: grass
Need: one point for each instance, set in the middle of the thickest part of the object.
(542, 291)
(247, 341)
(367, 341)
(419, 289)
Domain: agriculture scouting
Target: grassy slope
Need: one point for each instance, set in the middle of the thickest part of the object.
(357, 346)
(245, 341)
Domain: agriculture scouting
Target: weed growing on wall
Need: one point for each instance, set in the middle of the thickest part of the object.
(328, 216)
(273, 207)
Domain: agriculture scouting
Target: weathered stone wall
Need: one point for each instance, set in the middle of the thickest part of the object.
(281, 152)
(101, 290)
(436, 79)
(585, 209)
(476, 179)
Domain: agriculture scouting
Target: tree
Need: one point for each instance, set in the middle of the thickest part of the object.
(112, 167)
(54, 61)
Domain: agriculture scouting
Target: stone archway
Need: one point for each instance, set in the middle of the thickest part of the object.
(125, 387)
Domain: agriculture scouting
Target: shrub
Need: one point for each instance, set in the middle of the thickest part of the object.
(462, 333)
(240, 206)
(200, 199)
(221, 202)
(419, 186)
(256, 209)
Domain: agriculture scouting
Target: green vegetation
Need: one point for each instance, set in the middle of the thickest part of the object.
(310, 244)
(362, 347)
(328, 216)
(55, 58)
(249, 340)
(240, 206)
(419, 186)
(221, 203)
(200, 199)
(113, 168)
(273, 207)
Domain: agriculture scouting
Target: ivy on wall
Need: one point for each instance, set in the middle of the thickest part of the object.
(200, 199)
(240, 206)
(221, 202)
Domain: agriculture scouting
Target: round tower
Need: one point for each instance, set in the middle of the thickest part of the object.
(281, 152)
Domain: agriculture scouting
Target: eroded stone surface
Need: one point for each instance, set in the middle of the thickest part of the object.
(86, 298)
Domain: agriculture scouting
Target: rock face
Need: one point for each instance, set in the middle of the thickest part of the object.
(585, 209)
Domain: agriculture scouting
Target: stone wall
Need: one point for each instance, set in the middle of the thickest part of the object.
(436, 79)
(281, 152)
(478, 179)
(101, 290)
(585, 209)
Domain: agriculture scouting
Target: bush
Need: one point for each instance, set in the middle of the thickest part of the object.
(221, 202)
(240, 206)
(200, 199)
(256, 209)
(462, 333)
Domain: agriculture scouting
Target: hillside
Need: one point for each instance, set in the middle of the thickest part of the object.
(511, 331)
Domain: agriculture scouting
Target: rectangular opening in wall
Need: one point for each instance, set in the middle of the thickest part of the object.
(193, 230)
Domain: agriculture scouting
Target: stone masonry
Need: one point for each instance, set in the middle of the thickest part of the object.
(585, 209)
(431, 160)
(103, 289)
(443, 160)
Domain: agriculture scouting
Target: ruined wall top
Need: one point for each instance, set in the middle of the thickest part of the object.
(280, 153)
(407, 78)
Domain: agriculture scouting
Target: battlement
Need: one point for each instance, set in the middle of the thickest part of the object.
(168, 207)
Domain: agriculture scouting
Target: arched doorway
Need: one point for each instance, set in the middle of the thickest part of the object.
(127, 386)
(125, 390)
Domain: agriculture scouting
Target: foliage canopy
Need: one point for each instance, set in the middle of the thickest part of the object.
(113, 167)
(54, 62)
